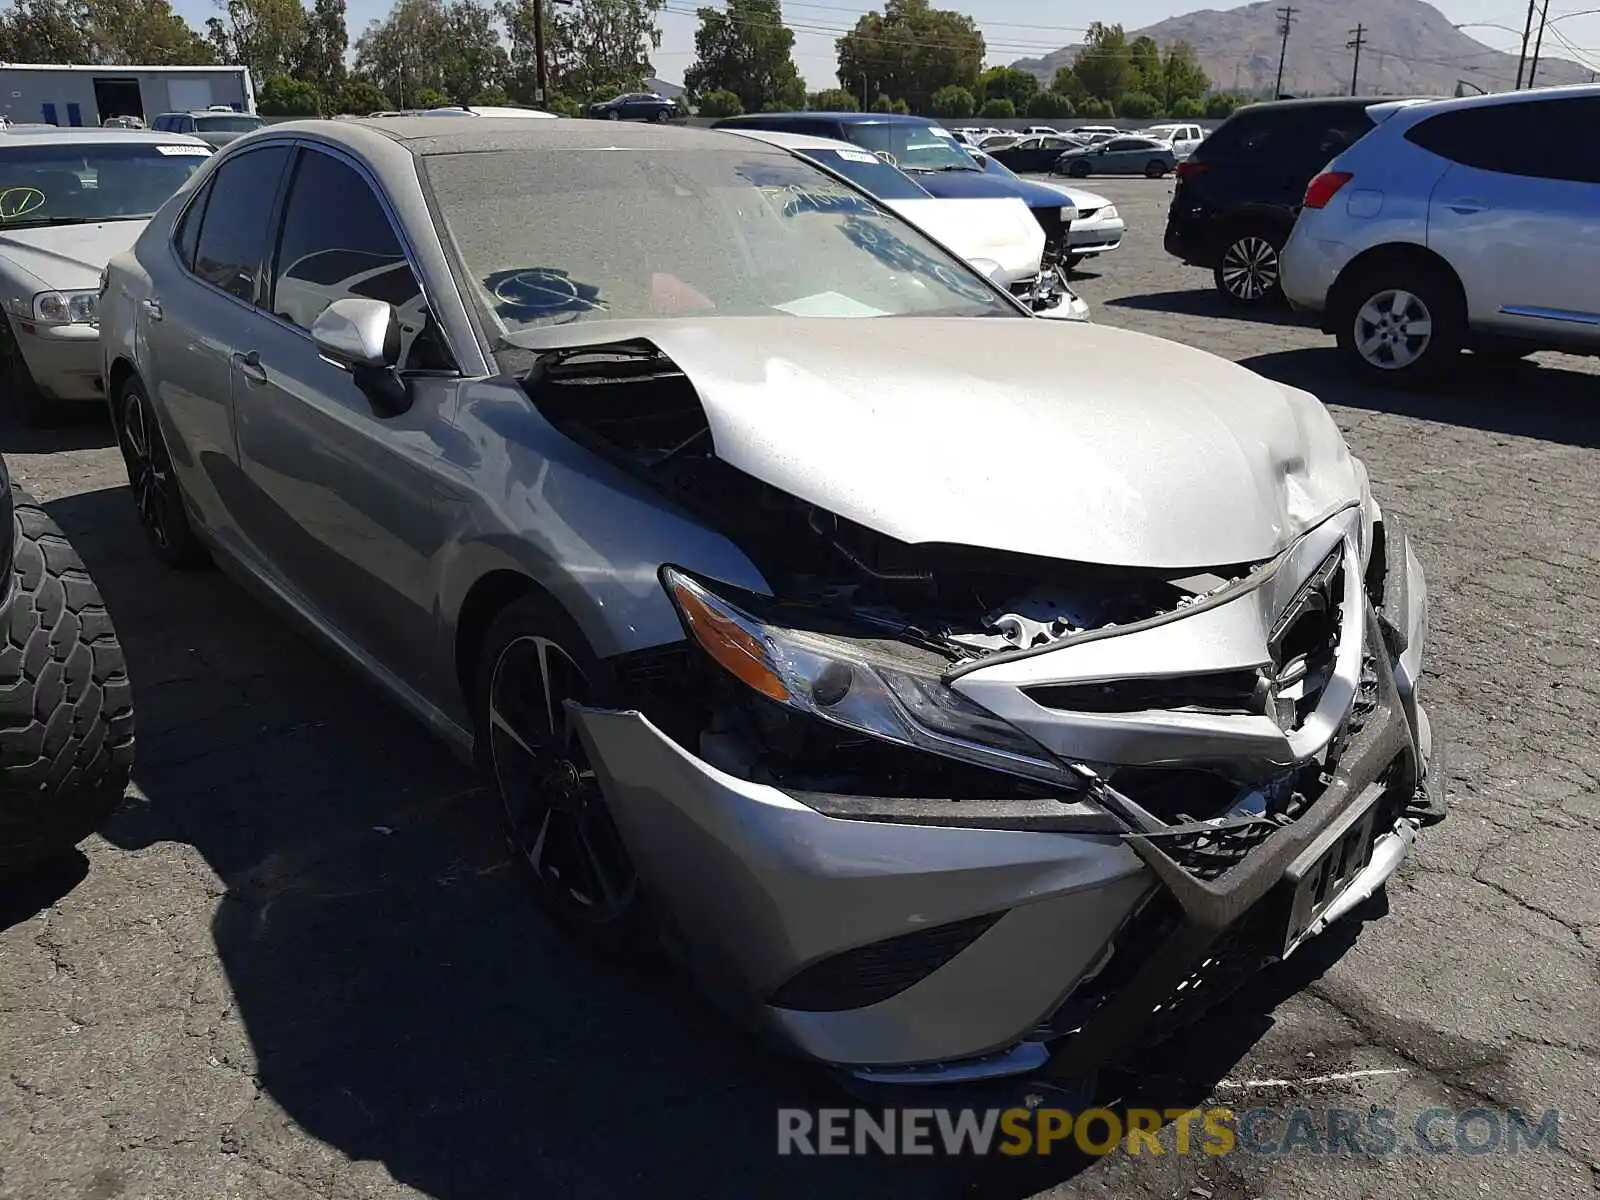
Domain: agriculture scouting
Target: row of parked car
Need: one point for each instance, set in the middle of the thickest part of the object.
(1411, 228)
(809, 649)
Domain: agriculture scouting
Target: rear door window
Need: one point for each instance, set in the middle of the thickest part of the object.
(1546, 139)
(233, 233)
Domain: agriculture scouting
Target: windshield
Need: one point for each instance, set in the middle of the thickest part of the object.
(912, 147)
(868, 172)
(225, 124)
(686, 233)
(72, 184)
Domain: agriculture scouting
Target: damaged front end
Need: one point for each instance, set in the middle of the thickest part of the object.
(936, 812)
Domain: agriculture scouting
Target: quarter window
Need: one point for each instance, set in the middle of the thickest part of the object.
(188, 232)
(337, 243)
(233, 231)
(1545, 139)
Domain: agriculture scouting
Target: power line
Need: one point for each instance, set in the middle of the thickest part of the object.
(1286, 16)
(1358, 38)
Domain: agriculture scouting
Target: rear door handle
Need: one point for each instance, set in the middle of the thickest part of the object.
(1467, 205)
(152, 309)
(249, 365)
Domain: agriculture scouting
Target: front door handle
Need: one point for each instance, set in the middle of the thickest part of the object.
(1467, 205)
(249, 365)
(152, 309)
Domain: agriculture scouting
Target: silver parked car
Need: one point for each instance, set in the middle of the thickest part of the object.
(69, 200)
(931, 765)
(1456, 224)
(1127, 155)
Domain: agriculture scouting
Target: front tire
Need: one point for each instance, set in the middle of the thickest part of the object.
(66, 708)
(613, 115)
(556, 822)
(1401, 325)
(1079, 169)
(1248, 271)
(159, 501)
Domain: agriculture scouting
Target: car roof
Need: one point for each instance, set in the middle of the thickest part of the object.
(449, 134)
(794, 141)
(1417, 109)
(205, 112)
(84, 134)
(1271, 106)
(842, 118)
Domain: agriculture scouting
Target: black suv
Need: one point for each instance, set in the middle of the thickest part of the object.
(1237, 197)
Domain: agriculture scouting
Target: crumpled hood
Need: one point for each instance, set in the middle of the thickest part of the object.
(68, 258)
(999, 230)
(1059, 439)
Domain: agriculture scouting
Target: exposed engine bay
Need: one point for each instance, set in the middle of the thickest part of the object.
(631, 404)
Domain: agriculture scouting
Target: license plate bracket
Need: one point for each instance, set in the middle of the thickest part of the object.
(1329, 865)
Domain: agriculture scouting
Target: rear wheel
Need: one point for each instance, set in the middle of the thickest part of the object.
(66, 709)
(1247, 270)
(557, 824)
(1400, 325)
(160, 504)
(1155, 169)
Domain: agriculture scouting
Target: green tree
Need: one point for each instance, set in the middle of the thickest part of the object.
(1008, 83)
(493, 95)
(832, 100)
(1050, 104)
(431, 98)
(911, 50)
(265, 35)
(564, 106)
(1139, 105)
(1181, 76)
(1221, 105)
(1001, 108)
(720, 104)
(1189, 108)
(284, 96)
(746, 49)
(901, 108)
(1094, 106)
(952, 101)
(1145, 57)
(883, 104)
(599, 48)
(321, 58)
(45, 31)
(359, 96)
(144, 31)
(1105, 64)
(1067, 83)
(452, 49)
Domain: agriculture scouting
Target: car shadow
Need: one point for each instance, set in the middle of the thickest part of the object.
(25, 894)
(77, 427)
(1533, 399)
(1205, 302)
(404, 1003)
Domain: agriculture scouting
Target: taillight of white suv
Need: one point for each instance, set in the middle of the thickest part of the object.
(1325, 187)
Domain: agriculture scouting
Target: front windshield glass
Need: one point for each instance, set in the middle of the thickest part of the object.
(226, 124)
(868, 172)
(73, 184)
(554, 237)
(911, 147)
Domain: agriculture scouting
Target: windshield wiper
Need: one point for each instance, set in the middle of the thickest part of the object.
(35, 222)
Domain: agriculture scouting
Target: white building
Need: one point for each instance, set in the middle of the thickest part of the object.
(32, 93)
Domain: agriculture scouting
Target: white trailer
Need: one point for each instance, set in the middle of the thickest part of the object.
(34, 93)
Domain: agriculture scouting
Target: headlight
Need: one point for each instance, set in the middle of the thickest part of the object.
(841, 681)
(1108, 213)
(66, 308)
(1069, 213)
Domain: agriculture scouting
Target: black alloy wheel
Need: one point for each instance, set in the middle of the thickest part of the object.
(150, 478)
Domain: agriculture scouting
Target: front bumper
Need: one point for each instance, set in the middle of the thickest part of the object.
(63, 359)
(1096, 236)
(932, 941)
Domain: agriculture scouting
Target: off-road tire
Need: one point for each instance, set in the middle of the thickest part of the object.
(66, 707)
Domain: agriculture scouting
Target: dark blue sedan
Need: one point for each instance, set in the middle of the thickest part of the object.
(635, 106)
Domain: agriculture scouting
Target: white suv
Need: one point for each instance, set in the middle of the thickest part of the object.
(1457, 224)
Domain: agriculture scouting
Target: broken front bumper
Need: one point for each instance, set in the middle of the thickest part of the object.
(926, 941)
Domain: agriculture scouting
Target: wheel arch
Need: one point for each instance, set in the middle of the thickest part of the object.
(1390, 254)
(121, 370)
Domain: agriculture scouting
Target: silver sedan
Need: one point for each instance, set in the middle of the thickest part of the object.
(943, 711)
(1119, 156)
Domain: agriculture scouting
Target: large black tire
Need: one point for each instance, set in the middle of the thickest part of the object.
(152, 481)
(66, 708)
(1425, 296)
(22, 393)
(558, 855)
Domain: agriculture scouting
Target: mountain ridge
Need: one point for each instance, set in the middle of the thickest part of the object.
(1411, 49)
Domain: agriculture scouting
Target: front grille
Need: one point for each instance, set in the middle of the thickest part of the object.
(875, 972)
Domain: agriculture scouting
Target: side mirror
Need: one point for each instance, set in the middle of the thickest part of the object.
(363, 337)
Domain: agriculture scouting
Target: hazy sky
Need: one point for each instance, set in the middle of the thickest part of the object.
(1019, 28)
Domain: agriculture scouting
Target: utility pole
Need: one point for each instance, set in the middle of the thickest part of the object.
(1358, 38)
(541, 77)
(1286, 19)
(1527, 30)
(1533, 66)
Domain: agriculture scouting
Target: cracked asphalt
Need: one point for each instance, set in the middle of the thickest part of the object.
(297, 964)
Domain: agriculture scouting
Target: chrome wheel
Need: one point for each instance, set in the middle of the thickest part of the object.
(556, 819)
(148, 478)
(1249, 269)
(1393, 329)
